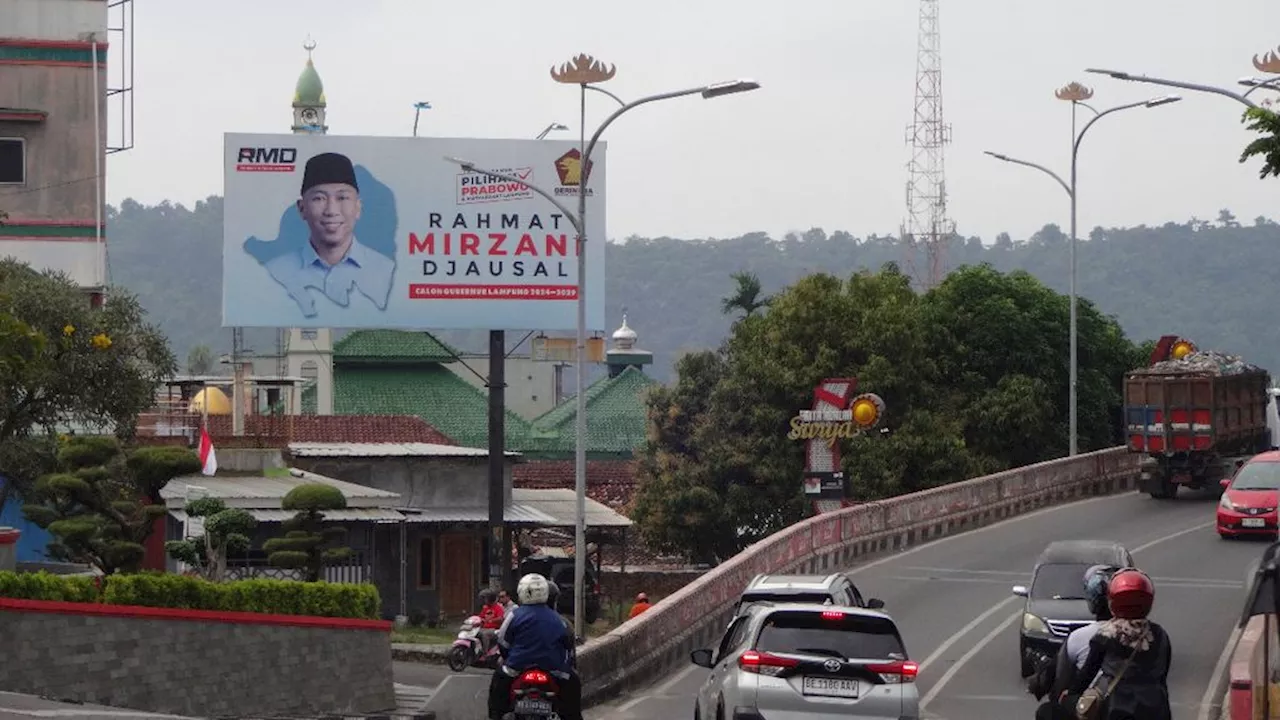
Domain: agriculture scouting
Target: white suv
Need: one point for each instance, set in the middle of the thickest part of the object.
(808, 662)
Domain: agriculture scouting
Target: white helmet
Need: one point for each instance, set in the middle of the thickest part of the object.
(533, 590)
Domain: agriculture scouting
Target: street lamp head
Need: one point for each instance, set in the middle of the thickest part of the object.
(466, 165)
(423, 105)
(995, 155)
(729, 88)
(1255, 82)
(1157, 102)
(1117, 74)
(559, 126)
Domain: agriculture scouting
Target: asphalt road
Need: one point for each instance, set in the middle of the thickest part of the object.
(952, 600)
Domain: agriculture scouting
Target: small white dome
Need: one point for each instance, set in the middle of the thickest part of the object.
(624, 337)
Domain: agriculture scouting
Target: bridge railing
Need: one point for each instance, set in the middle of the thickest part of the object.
(643, 649)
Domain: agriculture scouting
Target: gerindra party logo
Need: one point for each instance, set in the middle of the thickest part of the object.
(569, 169)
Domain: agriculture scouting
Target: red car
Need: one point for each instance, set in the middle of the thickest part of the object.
(1249, 500)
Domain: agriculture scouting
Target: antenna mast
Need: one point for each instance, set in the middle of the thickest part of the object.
(927, 230)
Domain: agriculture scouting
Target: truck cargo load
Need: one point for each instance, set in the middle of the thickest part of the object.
(1197, 417)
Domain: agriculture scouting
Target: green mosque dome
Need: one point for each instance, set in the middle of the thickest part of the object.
(310, 90)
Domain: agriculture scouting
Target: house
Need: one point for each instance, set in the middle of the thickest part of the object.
(444, 495)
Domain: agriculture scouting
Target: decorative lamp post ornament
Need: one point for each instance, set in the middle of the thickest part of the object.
(1073, 92)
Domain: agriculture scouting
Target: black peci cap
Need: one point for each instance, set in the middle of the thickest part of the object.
(328, 168)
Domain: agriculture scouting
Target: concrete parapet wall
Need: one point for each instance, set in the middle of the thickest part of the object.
(641, 650)
(196, 663)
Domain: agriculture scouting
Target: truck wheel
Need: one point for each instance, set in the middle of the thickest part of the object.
(1166, 491)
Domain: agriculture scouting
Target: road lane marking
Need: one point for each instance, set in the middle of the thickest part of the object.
(1171, 536)
(946, 645)
(663, 690)
(964, 659)
(1211, 700)
(1163, 582)
(1009, 621)
(977, 531)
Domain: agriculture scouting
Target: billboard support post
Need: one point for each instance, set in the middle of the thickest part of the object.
(500, 571)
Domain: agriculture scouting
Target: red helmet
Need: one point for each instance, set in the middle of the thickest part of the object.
(1131, 594)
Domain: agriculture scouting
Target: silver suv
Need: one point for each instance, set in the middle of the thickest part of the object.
(808, 662)
(832, 589)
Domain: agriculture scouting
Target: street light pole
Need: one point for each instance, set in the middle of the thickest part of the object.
(1073, 443)
(582, 67)
(1194, 87)
(553, 127)
(418, 107)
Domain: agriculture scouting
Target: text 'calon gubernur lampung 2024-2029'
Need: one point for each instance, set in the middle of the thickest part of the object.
(496, 245)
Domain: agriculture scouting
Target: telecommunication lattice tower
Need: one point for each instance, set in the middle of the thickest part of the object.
(927, 230)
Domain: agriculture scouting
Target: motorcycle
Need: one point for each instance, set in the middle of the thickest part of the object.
(466, 648)
(534, 696)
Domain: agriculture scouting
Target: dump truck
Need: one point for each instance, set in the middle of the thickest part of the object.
(1196, 415)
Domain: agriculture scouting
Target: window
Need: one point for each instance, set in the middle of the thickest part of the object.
(1059, 581)
(1257, 476)
(310, 370)
(309, 334)
(427, 562)
(13, 161)
(848, 636)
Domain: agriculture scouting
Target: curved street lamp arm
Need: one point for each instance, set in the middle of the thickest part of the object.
(586, 154)
(1075, 148)
(602, 91)
(1035, 166)
(1088, 107)
(467, 166)
(1272, 84)
(1175, 83)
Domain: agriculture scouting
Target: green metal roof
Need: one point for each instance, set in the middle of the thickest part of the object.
(616, 416)
(431, 392)
(310, 90)
(391, 346)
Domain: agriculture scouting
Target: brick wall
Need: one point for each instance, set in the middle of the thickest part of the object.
(195, 663)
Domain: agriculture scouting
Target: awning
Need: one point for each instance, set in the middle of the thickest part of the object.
(377, 515)
(562, 506)
(516, 514)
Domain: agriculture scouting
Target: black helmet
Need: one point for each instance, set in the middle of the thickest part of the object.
(553, 595)
(1096, 581)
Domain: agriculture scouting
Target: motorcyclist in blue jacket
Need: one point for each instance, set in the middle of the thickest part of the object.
(535, 637)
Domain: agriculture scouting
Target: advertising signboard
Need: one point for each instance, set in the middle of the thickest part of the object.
(383, 232)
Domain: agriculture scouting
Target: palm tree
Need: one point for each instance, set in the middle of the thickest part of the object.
(1267, 124)
(746, 297)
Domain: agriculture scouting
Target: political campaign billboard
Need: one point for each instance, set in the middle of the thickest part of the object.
(384, 232)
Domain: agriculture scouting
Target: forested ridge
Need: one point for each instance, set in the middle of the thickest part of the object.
(1211, 281)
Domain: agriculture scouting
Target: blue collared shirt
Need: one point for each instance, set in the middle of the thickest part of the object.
(361, 269)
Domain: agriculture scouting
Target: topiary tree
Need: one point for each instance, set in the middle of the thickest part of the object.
(306, 544)
(102, 503)
(225, 530)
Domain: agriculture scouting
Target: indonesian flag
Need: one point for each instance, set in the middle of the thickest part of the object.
(208, 458)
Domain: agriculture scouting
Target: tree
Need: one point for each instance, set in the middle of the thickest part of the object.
(973, 375)
(1267, 124)
(101, 504)
(66, 363)
(307, 543)
(225, 530)
(1227, 219)
(200, 360)
(747, 295)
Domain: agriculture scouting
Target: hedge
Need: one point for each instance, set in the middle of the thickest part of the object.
(276, 597)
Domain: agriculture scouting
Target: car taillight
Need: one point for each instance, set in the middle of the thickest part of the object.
(762, 663)
(832, 615)
(903, 671)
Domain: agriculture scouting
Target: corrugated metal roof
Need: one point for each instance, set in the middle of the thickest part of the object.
(379, 515)
(519, 513)
(561, 505)
(267, 492)
(389, 449)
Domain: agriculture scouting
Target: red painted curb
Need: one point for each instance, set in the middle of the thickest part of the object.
(9, 536)
(151, 613)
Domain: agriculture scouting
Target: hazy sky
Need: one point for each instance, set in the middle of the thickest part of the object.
(821, 144)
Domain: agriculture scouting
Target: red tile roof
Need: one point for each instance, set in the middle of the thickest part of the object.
(280, 430)
(611, 482)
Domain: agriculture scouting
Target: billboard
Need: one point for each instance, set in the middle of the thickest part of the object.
(383, 232)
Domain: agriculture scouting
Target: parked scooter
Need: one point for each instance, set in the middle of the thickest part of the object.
(466, 648)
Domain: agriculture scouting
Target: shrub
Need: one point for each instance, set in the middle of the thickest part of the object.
(276, 597)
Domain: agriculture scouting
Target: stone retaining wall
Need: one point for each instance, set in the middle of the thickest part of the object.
(196, 663)
(660, 640)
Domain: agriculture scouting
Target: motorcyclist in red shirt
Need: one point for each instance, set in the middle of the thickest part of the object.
(491, 614)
